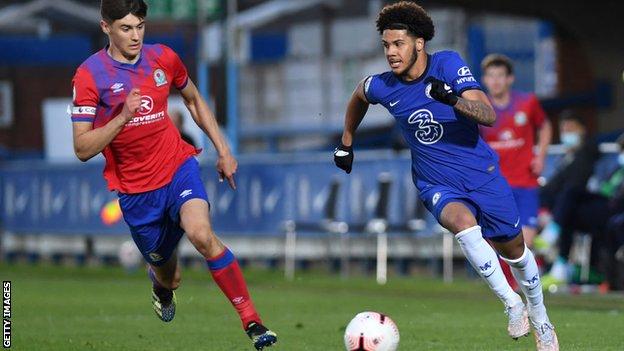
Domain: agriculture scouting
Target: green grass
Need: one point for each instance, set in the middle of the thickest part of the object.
(58, 308)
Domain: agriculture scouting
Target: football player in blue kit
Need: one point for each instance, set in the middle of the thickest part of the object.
(439, 106)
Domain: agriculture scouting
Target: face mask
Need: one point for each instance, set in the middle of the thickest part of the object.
(621, 159)
(571, 139)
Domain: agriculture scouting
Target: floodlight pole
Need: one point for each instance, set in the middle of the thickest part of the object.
(203, 68)
(232, 75)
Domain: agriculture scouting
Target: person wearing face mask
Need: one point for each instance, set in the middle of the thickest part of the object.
(578, 209)
(573, 171)
(576, 166)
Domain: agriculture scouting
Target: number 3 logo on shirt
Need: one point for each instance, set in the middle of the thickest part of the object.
(429, 131)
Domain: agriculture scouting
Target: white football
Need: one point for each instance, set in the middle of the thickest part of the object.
(371, 331)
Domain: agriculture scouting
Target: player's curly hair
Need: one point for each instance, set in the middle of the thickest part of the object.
(406, 15)
(497, 60)
(112, 10)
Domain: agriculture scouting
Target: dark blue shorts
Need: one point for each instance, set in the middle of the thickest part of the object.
(154, 216)
(527, 201)
(492, 204)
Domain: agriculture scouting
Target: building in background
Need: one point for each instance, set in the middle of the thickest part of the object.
(295, 64)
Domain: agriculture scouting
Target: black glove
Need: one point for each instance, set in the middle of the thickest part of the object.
(343, 157)
(441, 91)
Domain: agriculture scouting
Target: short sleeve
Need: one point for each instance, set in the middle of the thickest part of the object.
(180, 74)
(369, 90)
(85, 97)
(537, 112)
(457, 74)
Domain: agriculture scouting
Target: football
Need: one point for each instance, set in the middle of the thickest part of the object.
(371, 331)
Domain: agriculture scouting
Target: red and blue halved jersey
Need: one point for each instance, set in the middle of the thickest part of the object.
(513, 137)
(146, 153)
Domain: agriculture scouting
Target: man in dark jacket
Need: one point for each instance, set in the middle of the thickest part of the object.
(576, 209)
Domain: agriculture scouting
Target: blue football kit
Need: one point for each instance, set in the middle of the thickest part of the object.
(450, 161)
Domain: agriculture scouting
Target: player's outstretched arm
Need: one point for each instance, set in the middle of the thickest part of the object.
(356, 109)
(205, 119)
(475, 105)
(89, 142)
(544, 137)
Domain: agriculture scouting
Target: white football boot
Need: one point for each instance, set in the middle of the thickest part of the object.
(518, 320)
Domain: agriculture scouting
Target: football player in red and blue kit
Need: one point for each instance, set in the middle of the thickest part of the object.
(520, 118)
(120, 109)
(439, 106)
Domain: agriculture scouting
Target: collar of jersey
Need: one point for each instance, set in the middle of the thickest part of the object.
(509, 104)
(422, 76)
(123, 64)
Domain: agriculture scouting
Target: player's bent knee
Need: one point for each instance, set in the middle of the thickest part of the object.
(461, 222)
(199, 229)
(512, 249)
(457, 217)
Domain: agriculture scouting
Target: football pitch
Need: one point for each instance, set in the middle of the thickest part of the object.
(60, 308)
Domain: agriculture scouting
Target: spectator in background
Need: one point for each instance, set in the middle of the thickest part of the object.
(573, 171)
(598, 213)
(573, 207)
(178, 120)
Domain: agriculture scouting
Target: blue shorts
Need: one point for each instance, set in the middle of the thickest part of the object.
(527, 201)
(154, 216)
(492, 204)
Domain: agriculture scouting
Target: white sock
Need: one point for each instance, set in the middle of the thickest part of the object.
(485, 261)
(526, 272)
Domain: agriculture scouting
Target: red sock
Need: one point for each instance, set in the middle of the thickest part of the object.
(227, 274)
(508, 275)
(540, 263)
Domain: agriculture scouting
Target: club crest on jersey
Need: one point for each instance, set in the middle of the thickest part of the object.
(159, 77)
(436, 198)
(429, 131)
(155, 257)
(520, 118)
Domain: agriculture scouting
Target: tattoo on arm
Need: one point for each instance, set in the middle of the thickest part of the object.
(478, 111)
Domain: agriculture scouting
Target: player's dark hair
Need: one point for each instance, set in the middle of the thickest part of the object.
(497, 60)
(408, 16)
(112, 10)
(571, 116)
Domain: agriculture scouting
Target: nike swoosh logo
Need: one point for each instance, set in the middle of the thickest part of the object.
(517, 222)
(341, 153)
(486, 276)
(394, 103)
